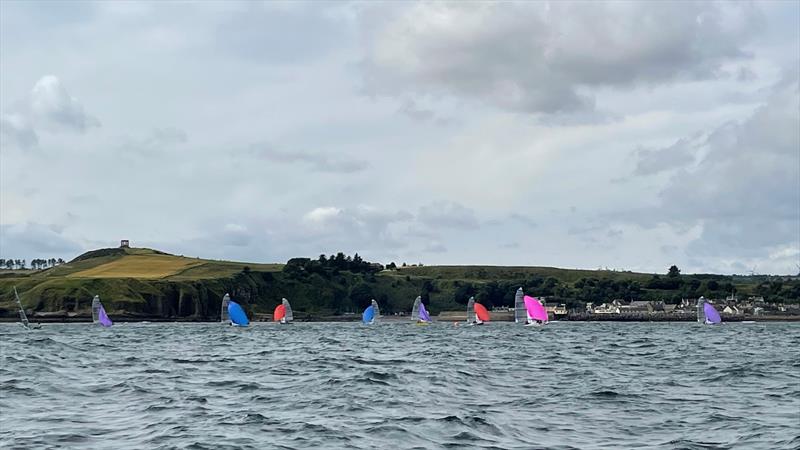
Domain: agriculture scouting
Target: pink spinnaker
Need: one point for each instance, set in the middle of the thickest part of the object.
(535, 309)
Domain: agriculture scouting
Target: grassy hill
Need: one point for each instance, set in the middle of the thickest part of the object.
(149, 284)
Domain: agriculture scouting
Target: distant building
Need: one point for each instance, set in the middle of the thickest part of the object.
(124, 244)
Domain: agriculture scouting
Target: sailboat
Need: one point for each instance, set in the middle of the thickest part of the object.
(536, 312)
(23, 318)
(236, 315)
(371, 313)
(419, 314)
(99, 315)
(283, 312)
(481, 314)
(706, 313)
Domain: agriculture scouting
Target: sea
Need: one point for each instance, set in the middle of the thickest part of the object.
(392, 385)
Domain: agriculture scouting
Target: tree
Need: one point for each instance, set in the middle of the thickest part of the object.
(673, 271)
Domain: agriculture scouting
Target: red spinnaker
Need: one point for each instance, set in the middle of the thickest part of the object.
(280, 313)
(481, 312)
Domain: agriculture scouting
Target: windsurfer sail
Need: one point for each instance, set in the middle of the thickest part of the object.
(23, 318)
(99, 315)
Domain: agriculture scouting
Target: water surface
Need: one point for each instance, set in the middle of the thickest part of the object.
(395, 385)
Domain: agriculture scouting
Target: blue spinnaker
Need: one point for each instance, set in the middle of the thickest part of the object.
(423, 313)
(369, 314)
(237, 315)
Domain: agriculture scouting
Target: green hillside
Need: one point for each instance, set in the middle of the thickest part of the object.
(148, 284)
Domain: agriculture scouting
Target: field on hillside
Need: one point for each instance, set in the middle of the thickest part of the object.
(139, 266)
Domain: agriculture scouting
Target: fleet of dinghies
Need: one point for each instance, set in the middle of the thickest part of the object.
(706, 313)
(527, 310)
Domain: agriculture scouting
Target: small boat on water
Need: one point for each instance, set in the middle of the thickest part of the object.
(283, 312)
(706, 313)
(477, 310)
(99, 315)
(231, 313)
(419, 314)
(536, 312)
(23, 318)
(371, 313)
(481, 314)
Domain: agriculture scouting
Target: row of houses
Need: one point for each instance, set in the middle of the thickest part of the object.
(730, 306)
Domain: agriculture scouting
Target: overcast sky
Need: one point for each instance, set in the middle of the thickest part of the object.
(628, 135)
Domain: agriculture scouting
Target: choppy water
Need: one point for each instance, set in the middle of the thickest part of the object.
(570, 385)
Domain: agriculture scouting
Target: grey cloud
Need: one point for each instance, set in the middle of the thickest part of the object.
(156, 141)
(448, 215)
(523, 219)
(48, 107)
(35, 240)
(511, 245)
(16, 128)
(677, 155)
(547, 57)
(745, 192)
(316, 161)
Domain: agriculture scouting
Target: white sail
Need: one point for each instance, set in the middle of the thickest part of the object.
(520, 311)
(415, 309)
(96, 309)
(289, 316)
(224, 317)
(22, 316)
(376, 309)
(470, 308)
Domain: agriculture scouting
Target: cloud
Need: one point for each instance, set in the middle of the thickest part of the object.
(35, 240)
(52, 106)
(17, 128)
(539, 57)
(745, 191)
(523, 219)
(435, 247)
(316, 161)
(47, 107)
(444, 214)
(677, 155)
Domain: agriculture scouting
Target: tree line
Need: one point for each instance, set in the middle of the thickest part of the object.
(36, 264)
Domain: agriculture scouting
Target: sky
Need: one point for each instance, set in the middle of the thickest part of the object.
(621, 135)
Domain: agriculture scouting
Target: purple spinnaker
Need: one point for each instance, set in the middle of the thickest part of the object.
(535, 309)
(102, 317)
(712, 316)
(423, 313)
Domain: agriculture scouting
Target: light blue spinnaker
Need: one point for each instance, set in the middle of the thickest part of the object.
(237, 315)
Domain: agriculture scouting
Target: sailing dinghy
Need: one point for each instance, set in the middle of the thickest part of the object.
(23, 318)
(419, 314)
(371, 313)
(232, 313)
(481, 314)
(283, 312)
(537, 314)
(706, 313)
(99, 315)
